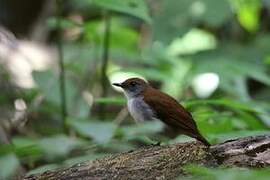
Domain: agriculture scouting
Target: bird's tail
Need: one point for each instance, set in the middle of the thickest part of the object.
(200, 138)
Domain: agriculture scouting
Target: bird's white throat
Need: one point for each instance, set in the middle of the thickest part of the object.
(139, 110)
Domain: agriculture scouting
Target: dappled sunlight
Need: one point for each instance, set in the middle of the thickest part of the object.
(204, 85)
(194, 41)
(23, 58)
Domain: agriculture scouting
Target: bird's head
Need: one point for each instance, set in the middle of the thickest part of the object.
(133, 87)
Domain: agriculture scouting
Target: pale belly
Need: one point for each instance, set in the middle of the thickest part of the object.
(139, 110)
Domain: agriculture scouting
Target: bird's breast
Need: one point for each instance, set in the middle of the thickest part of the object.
(139, 110)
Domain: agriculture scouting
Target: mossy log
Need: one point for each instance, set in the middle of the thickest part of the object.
(167, 162)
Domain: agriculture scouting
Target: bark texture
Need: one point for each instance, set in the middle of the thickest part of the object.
(166, 162)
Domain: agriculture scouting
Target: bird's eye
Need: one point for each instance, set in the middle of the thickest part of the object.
(132, 83)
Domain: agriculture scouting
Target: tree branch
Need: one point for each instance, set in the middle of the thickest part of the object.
(105, 59)
(166, 162)
(61, 67)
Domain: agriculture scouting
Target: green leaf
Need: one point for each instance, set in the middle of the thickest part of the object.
(232, 62)
(101, 132)
(146, 128)
(221, 137)
(175, 18)
(122, 36)
(264, 108)
(153, 74)
(58, 146)
(119, 146)
(252, 122)
(204, 173)
(136, 8)
(224, 102)
(111, 100)
(64, 23)
(9, 164)
(248, 13)
(213, 12)
(81, 109)
(22, 141)
(194, 41)
(24, 146)
(267, 60)
(78, 57)
(42, 169)
(196, 169)
(175, 82)
(80, 159)
(172, 20)
(48, 82)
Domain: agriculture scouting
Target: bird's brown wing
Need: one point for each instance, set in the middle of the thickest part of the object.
(170, 111)
(173, 114)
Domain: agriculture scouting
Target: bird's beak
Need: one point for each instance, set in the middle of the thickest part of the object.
(117, 84)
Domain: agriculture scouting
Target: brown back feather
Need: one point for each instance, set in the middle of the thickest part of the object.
(162, 105)
(177, 117)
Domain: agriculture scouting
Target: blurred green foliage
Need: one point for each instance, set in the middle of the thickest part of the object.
(178, 42)
(226, 173)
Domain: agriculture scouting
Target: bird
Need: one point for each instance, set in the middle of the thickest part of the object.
(146, 103)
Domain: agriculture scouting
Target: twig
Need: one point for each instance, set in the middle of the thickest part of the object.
(105, 59)
(62, 68)
(121, 116)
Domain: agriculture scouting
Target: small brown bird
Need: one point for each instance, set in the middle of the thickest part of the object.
(147, 103)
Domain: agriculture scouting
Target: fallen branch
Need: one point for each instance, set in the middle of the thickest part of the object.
(166, 162)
